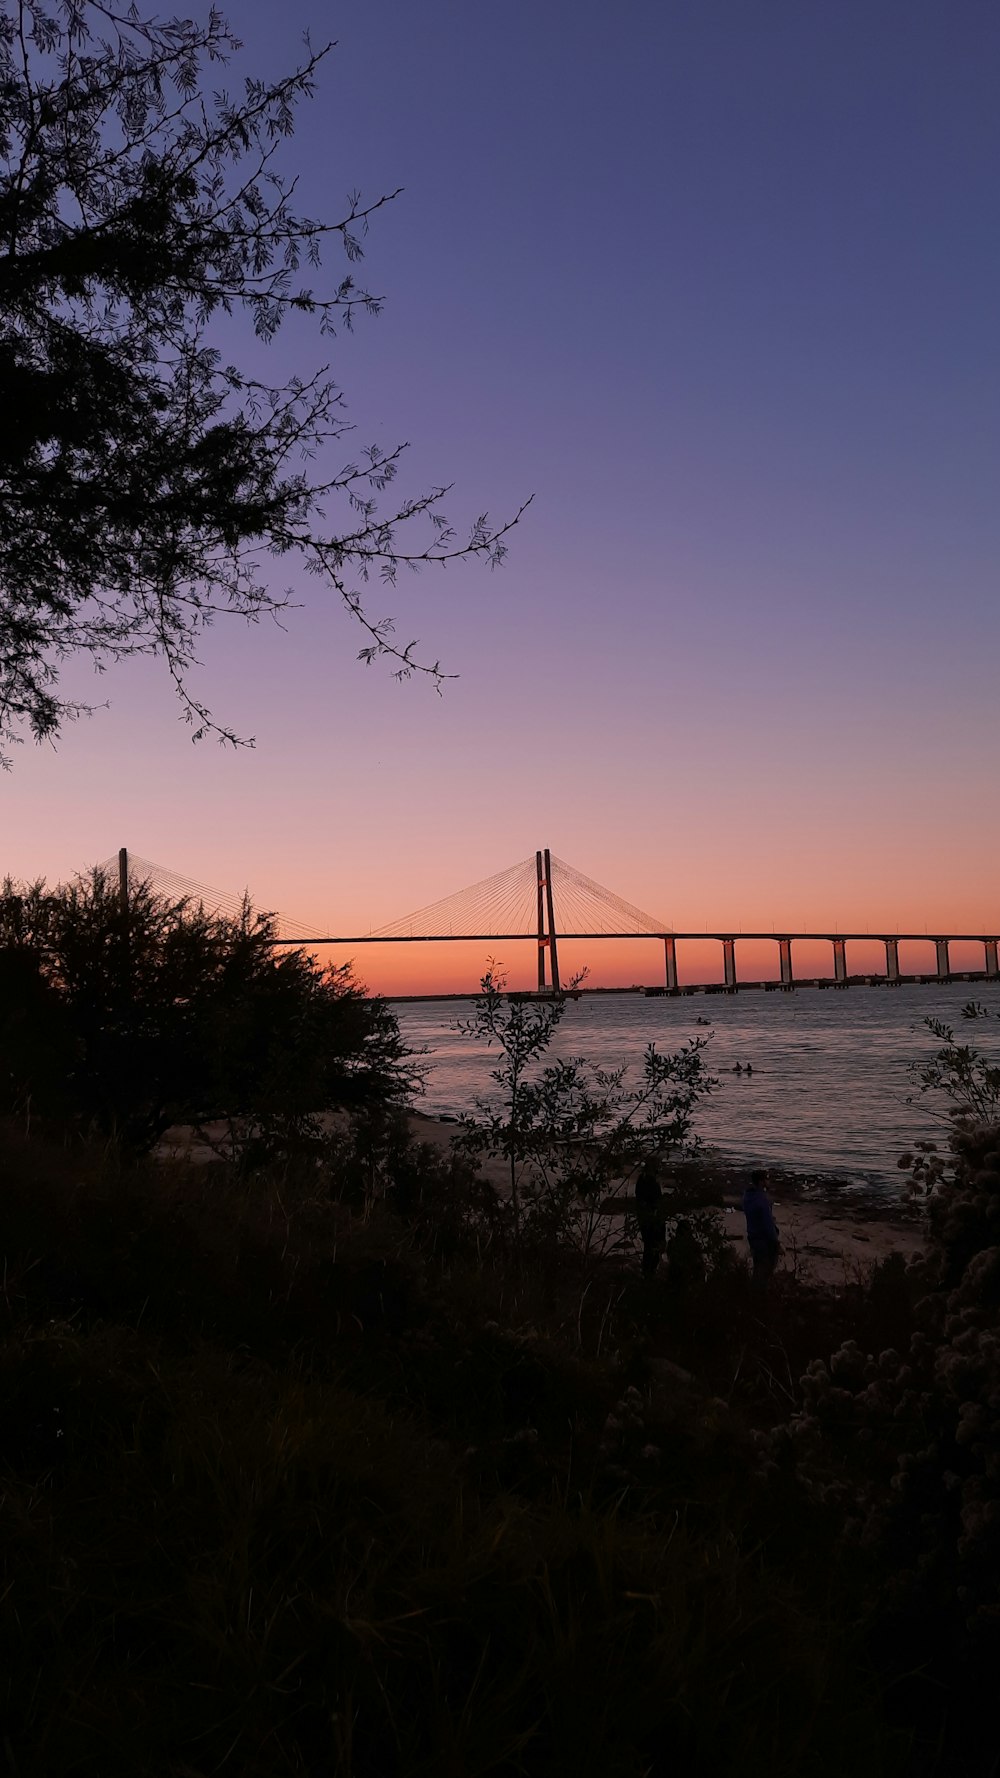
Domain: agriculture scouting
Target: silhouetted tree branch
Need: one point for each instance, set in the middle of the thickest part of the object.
(146, 484)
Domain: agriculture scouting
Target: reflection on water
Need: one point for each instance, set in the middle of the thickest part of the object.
(830, 1080)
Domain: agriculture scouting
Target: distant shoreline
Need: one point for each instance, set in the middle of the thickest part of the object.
(476, 994)
(772, 986)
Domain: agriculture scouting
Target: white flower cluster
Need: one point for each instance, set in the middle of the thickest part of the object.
(622, 1437)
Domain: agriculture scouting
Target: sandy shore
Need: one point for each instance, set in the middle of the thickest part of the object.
(829, 1232)
(829, 1235)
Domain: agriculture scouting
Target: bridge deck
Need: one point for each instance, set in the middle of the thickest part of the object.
(723, 937)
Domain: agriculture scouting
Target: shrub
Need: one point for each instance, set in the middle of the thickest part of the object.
(243, 1527)
(905, 1446)
(131, 1022)
(568, 1131)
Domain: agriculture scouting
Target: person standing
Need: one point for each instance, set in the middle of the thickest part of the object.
(649, 1210)
(762, 1230)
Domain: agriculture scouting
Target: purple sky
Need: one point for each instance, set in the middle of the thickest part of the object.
(719, 285)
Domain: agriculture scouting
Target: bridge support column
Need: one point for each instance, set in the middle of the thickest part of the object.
(990, 947)
(943, 959)
(785, 954)
(542, 940)
(670, 964)
(891, 959)
(553, 952)
(840, 961)
(729, 963)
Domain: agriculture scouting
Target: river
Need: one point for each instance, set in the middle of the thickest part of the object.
(830, 1094)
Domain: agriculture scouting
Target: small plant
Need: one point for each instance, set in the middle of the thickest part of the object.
(960, 1073)
(568, 1131)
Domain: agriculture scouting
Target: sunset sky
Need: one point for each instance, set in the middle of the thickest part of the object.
(718, 284)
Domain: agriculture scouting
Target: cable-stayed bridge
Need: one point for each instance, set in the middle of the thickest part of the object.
(543, 900)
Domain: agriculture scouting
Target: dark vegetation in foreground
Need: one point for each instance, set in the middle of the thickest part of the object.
(295, 1482)
(324, 1458)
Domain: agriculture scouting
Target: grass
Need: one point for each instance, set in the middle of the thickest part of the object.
(287, 1489)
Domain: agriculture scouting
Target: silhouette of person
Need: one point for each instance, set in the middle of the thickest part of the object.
(762, 1230)
(649, 1210)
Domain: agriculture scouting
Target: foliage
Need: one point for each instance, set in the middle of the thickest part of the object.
(168, 1014)
(244, 1527)
(967, 1081)
(444, 1198)
(145, 481)
(906, 1444)
(901, 1441)
(567, 1130)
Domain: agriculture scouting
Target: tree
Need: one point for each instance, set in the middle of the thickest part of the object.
(172, 1015)
(145, 483)
(568, 1131)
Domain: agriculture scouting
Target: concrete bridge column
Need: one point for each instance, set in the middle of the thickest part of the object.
(990, 947)
(891, 959)
(670, 964)
(839, 960)
(729, 963)
(785, 953)
(943, 959)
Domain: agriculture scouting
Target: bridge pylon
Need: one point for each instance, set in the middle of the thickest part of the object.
(546, 920)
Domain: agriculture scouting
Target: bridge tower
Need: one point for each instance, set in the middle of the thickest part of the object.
(546, 920)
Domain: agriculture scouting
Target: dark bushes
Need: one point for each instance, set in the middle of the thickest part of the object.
(286, 1489)
(904, 1443)
(128, 1022)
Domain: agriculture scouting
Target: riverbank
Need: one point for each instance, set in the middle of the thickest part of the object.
(311, 1445)
(830, 1233)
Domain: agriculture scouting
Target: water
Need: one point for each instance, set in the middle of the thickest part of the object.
(830, 1085)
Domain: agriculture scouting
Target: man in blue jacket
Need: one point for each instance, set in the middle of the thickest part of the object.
(762, 1230)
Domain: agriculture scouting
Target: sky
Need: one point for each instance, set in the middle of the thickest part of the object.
(717, 285)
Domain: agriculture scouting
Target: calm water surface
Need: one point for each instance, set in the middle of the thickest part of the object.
(830, 1085)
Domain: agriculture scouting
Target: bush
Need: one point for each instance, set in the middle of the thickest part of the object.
(279, 1497)
(131, 1022)
(905, 1445)
(567, 1131)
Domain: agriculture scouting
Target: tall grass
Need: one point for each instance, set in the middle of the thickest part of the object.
(287, 1491)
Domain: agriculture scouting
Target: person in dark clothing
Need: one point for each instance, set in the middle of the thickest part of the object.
(762, 1230)
(652, 1222)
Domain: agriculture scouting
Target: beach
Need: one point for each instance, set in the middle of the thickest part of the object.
(829, 1236)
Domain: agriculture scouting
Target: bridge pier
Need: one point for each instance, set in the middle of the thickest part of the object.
(546, 936)
(839, 961)
(729, 964)
(785, 954)
(670, 964)
(891, 960)
(542, 940)
(943, 959)
(550, 909)
(990, 948)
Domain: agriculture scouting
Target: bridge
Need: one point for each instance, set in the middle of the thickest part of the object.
(521, 904)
